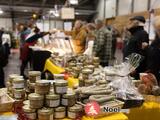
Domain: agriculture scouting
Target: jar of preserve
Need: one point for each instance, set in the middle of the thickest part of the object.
(34, 76)
(42, 87)
(61, 86)
(69, 99)
(29, 112)
(45, 114)
(52, 100)
(60, 113)
(74, 111)
(18, 83)
(19, 93)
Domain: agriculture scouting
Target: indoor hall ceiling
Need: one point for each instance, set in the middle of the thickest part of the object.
(25, 8)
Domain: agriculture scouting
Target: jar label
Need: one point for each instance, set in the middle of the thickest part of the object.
(61, 89)
(65, 102)
(17, 95)
(15, 85)
(54, 103)
(71, 115)
(60, 115)
(32, 116)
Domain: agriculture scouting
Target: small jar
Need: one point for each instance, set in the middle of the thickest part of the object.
(36, 101)
(89, 82)
(19, 93)
(52, 100)
(69, 99)
(30, 113)
(45, 114)
(61, 86)
(60, 113)
(34, 76)
(74, 111)
(42, 87)
(18, 83)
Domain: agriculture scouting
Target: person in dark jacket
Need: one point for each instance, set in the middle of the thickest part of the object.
(153, 61)
(138, 42)
(31, 41)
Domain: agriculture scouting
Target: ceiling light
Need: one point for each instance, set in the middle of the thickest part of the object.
(73, 2)
(1, 11)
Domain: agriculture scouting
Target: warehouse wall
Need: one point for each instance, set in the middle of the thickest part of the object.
(6, 23)
(124, 7)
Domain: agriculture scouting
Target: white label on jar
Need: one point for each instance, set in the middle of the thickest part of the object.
(17, 95)
(32, 116)
(18, 85)
(61, 89)
(59, 115)
(51, 117)
(65, 102)
(54, 103)
(71, 115)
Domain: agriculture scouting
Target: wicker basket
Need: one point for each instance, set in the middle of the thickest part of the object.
(6, 103)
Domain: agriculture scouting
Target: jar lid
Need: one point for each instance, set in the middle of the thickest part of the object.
(26, 102)
(34, 73)
(52, 96)
(12, 76)
(90, 81)
(19, 90)
(90, 66)
(42, 83)
(87, 71)
(61, 82)
(95, 58)
(45, 111)
(18, 80)
(35, 96)
(69, 95)
(26, 108)
(75, 108)
(60, 109)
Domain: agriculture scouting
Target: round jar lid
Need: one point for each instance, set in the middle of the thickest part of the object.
(27, 109)
(87, 71)
(35, 96)
(60, 109)
(18, 80)
(12, 76)
(69, 95)
(52, 96)
(61, 82)
(34, 73)
(26, 102)
(45, 111)
(75, 108)
(42, 83)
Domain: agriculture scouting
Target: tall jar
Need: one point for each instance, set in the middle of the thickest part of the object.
(61, 86)
(45, 114)
(42, 87)
(34, 76)
(69, 99)
(30, 113)
(36, 101)
(52, 100)
(60, 113)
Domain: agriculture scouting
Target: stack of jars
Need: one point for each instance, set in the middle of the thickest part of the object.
(51, 101)
(15, 87)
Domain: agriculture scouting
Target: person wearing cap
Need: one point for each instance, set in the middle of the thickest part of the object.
(102, 47)
(138, 42)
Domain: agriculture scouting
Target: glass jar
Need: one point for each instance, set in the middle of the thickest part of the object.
(34, 76)
(74, 111)
(31, 86)
(52, 100)
(30, 113)
(18, 83)
(42, 87)
(45, 114)
(69, 99)
(61, 86)
(19, 93)
(60, 113)
(36, 101)
(12, 76)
